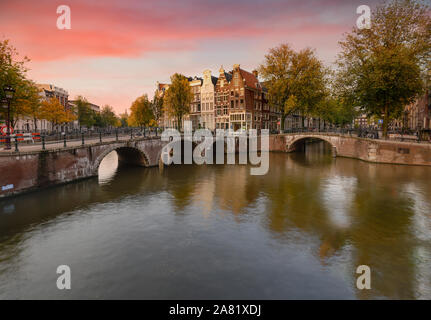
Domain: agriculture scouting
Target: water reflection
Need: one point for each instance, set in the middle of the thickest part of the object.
(217, 232)
(108, 168)
(337, 196)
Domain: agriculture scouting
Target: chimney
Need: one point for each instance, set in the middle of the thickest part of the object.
(256, 73)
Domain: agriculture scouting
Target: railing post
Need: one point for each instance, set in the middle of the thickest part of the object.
(64, 139)
(16, 144)
(144, 132)
(43, 142)
(100, 137)
(116, 134)
(82, 139)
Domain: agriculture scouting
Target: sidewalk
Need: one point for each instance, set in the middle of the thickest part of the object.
(50, 145)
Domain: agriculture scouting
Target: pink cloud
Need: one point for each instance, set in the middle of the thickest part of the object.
(179, 33)
(132, 28)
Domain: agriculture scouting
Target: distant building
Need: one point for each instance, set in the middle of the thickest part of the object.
(73, 106)
(419, 113)
(235, 100)
(222, 91)
(361, 121)
(195, 107)
(208, 100)
(49, 91)
(242, 102)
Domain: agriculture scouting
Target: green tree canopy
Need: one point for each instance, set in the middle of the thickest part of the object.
(124, 118)
(86, 115)
(108, 117)
(178, 97)
(296, 81)
(13, 73)
(382, 69)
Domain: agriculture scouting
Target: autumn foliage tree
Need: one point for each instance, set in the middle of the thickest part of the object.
(30, 101)
(177, 98)
(381, 69)
(54, 112)
(296, 81)
(141, 112)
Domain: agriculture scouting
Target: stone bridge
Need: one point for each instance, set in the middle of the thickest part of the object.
(26, 171)
(371, 150)
(30, 170)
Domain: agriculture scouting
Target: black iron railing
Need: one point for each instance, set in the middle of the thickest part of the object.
(68, 139)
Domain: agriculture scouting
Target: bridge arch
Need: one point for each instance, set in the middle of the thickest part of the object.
(127, 154)
(298, 141)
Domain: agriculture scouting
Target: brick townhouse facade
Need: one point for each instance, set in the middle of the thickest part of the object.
(235, 100)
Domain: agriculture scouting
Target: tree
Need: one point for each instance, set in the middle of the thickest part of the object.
(296, 81)
(157, 107)
(141, 112)
(53, 111)
(97, 119)
(335, 111)
(381, 70)
(124, 117)
(86, 115)
(178, 98)
(108, 117)
(13, 73)
(30, 102)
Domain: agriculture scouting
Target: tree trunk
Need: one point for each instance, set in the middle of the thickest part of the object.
(179, 123)
(385, 122)
(282, 123)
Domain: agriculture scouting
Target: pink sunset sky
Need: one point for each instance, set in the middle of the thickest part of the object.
(117, 50)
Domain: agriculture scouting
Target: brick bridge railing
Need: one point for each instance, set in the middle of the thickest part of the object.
(31, 169)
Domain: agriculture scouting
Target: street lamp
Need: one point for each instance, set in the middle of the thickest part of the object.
(8, 92)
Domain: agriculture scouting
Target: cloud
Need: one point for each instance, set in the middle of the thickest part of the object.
(133, 28)
(163, 36)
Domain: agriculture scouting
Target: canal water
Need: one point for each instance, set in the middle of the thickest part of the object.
(215, 232)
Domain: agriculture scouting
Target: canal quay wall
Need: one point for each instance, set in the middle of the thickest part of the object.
(26, 171)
